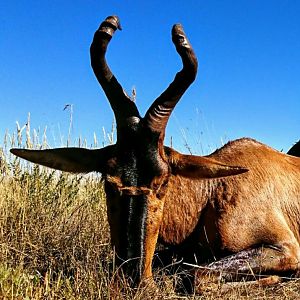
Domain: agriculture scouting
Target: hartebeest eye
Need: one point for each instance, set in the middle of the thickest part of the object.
(112, 164)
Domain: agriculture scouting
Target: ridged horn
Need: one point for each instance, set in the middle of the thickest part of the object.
(121, 104)
(158, 114)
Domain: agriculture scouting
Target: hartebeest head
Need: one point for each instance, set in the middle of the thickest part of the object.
(137, 168)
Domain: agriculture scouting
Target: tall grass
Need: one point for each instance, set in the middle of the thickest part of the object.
(54, 237)
(53, 232)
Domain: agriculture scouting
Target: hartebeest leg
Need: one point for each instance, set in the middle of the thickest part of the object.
(249, 264)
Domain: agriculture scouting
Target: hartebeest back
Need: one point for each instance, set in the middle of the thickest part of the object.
(191, 202)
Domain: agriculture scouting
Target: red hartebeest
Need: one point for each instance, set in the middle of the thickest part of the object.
(190, 202)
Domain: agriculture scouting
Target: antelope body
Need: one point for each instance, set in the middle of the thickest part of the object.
(243, 199)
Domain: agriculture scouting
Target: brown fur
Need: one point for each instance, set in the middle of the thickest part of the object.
(248, 203)
(260, 208)
(243, 199)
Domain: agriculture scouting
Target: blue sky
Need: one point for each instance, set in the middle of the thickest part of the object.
(248, 81)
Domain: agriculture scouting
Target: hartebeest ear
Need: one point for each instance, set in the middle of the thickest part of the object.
(75, 160)
(192, 166)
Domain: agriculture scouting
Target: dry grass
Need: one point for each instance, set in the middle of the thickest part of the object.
(54, 241)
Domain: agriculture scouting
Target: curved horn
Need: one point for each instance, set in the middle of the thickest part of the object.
(158, 114)
(121, 104)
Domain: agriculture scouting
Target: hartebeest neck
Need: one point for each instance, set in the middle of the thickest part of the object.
(185, 200)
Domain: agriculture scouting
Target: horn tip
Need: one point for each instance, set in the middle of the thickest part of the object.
(177, 29)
